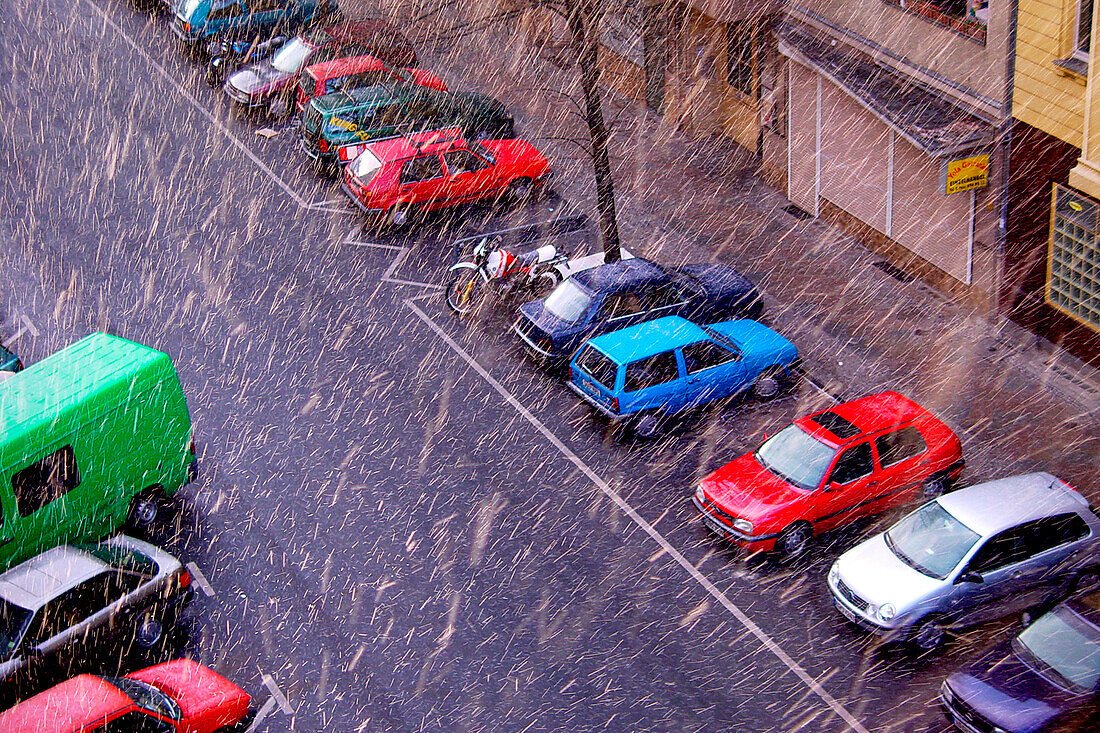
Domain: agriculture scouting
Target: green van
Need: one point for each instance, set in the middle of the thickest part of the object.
(90, 438)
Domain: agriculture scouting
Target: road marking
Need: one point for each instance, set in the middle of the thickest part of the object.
(277, 694)
(210, 116)
(766, 641)
(262, 713)
(199, 579)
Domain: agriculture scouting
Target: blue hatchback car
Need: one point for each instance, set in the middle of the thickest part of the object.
(648, 373)
(196, 21)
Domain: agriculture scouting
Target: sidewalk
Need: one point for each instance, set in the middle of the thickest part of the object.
(1018, 405)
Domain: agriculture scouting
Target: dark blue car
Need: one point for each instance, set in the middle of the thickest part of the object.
(1042, 681)
(621, 294)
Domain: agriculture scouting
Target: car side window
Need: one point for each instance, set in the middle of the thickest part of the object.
(663, 295)
(135, 722)
(95, 594)
(706, 354)
(55, 617)
(651, 371)
(45, 480)
(1007, 548)
(853, 464)
(1049, 532)
(263, 6)
(463, 161)
(621, 305)
(221, 11)
(899, 445)
(424, 168)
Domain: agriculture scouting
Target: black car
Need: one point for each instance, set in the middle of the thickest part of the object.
(1044, 680)
(620, 294)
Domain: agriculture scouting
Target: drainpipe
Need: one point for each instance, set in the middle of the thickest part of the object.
(1006, 160)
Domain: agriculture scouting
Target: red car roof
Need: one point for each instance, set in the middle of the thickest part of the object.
(66, 707)
(435, 141)
(342, 66)
(869, 414)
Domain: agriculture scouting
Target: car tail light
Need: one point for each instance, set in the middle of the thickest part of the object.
(322, 145)
(185, 579)
(191, 447)
(186, 27)
(615, 404)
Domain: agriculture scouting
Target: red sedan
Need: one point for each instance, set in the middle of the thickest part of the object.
(394, 179)
(357, 71)
(828, 469)
(180, 696)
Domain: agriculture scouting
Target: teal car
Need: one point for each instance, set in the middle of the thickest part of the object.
(9, 362)
(649, 373)
(197, 21)
(349, 117)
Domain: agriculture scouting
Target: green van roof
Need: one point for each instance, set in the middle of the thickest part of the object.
(98, 363)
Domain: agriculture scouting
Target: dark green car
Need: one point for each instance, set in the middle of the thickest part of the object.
(397, 108)
(9, 362)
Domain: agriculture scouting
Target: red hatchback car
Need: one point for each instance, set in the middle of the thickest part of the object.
(180, 696)
(395, 178)
(828, 469)
(357, 71)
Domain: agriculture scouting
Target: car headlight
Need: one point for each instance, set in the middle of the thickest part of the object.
(834, 574)
(743, 525)
(699, 495)
(887, 611)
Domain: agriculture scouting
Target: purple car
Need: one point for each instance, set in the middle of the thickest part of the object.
(1044, 680)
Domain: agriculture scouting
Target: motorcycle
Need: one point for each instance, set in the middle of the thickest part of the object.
(228, 56)
(491, 267)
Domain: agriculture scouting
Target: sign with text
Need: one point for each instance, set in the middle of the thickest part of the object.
(966, 174)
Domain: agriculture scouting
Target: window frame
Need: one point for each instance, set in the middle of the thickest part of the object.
(741, 35)
(1082, 54)
(1072, 282)
(712, 344)
(647, 372)
(844, 454)
(895, 431)
(47, 497)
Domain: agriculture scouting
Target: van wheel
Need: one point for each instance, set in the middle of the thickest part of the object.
(149, 632)
(144, 509)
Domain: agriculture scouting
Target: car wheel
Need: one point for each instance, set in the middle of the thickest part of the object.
(935, 485)
(149, 632)
(769, 383)
(927, 634)
(521, 191)
(647, 425)
(399, 217)
(793, 540)
(144, 509)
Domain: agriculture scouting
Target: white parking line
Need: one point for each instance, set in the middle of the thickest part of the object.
(213, 120)
(765, 640)
(199, 579)
(276, 693)
(262, 713)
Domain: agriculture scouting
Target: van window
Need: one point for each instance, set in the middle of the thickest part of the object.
(45, 480)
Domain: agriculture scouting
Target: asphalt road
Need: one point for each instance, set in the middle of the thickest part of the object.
(403, 523)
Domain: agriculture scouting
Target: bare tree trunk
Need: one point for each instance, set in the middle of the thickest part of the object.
(583, 25)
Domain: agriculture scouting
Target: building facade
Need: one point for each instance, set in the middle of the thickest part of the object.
(887, 121)
(1051, 280)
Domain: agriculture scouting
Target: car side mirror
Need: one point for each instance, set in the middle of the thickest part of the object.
(969, 576)
(833, 486)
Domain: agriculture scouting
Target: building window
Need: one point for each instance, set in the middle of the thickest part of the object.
(739, 57)
(1083, 35)
(1073, 267)
(966, 17)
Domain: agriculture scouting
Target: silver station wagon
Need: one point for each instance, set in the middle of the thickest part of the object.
(67, 599)
(969, 556)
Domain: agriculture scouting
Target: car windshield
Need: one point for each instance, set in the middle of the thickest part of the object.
(13, 624)
(1063, 646)
(147, 697)
(931, 540)
(291, 56)
(568, 302)
(365, 166)
(797, 457)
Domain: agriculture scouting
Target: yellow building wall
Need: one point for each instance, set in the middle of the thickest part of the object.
(1044, 95)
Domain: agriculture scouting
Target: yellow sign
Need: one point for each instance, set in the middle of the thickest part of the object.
(968, 173)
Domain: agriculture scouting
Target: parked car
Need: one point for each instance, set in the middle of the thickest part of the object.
(72, 599)
(391, 109)
(91, 437)
(828, 469)
(649, 373)
(356, 72)
(180, 696)
(272, 82)
(624, 293)
(1046, 679)
(201, 25)
(968, 556)
(393, 180)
